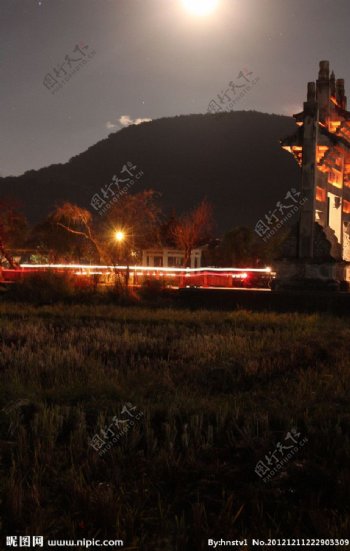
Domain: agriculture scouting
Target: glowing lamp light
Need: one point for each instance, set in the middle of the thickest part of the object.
(119, 236)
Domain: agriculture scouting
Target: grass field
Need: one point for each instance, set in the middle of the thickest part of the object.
(218, 391)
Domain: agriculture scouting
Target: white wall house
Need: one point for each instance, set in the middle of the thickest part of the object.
(170, 258)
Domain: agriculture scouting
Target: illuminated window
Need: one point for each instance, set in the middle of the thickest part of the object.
(335, 178)
(320, 194)
(320, 152)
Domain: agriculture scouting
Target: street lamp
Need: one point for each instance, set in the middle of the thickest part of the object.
(119, 236)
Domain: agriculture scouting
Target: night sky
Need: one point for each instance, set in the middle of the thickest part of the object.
(152, 59)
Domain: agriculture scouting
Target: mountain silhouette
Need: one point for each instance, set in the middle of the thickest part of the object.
(234, 159)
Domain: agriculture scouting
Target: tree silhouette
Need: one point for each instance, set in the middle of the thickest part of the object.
(193, 229)
(137, 216)
(79, 221)
(13, 230)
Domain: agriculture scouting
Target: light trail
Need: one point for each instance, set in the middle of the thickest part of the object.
(149, 269)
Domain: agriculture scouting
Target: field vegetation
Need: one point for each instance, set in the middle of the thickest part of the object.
(218, 391)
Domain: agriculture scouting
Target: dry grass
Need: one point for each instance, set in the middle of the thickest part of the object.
(218, 391)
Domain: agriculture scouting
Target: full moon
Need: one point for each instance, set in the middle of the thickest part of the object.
(200, 7)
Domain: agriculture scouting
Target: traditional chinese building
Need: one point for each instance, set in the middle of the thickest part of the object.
(321, 147)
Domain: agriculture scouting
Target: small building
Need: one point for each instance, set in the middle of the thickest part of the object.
(168, 257)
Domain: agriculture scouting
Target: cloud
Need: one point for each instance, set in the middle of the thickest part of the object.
(126, 120)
